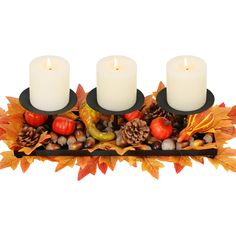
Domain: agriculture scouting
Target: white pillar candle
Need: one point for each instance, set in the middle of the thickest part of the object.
(186, 83)
(49, 83)
(116, 83)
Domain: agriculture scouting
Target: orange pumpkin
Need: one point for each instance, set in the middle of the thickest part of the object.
(197, 123)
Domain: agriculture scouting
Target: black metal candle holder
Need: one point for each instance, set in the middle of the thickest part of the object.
(162, 102)
(93, 103)
(25, 102)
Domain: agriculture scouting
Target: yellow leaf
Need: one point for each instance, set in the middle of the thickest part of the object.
(64, 162)
(9, 160)
(14, 106)
(182, 160)
(152, 166)
(28, 150)
(199, 159)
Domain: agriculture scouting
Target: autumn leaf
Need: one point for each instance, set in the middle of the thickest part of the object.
(14, 106)
(224, 158)
(109, 161)
(151, 165)
(71, 114)
(232, 114)
(103, 167)
(111, 146)
(182, 160)
(88, 165)
(150, 99)
(64, 161)
(9, 160)
(178, 167)
(25, 164)
(199, 159)
(81, 95)
(28, 150)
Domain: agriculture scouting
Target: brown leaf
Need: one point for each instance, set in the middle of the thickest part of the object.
(28, 150)
(64, 161)
(9, 160)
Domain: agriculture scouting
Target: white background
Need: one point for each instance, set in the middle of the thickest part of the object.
(198, 201)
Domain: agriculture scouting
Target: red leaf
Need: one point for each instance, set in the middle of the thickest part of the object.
(89, 168)
(222, 104)
(178, 167)
(103, 167)
(81, 95)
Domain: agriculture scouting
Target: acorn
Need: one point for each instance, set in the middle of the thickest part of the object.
(71, 139)
(90, 142)
(80, 135)
(156, 145)
(181, 146)
(168, 144)
(52, 146)
(151, 140)
(197, 143)
(54, 137)
(76, 146)
(80, 125)
(62, 140)
(208, 138)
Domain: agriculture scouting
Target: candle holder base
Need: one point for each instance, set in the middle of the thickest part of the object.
(25, 102)
(162, 102)
(93, 103)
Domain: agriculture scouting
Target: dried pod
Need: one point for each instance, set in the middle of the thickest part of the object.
(197, 143)
(62, 140)
(209, 138)
(71, 139)
(54, 137)
(168, 144)
(80, 125)
(181, 146)
(52, 146)
(90, 142)
(80, 136)
(76, 146)
(156, 145)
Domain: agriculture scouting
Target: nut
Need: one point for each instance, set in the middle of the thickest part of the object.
(181, 146)
(62, 140)
(208, 138)
(197, 143)
(76, 146)
(52, 146)
(54, 137)
(90, 142)
(156, 145)
(71, 139)
(80, 125)
(80, 136)
(168, 144)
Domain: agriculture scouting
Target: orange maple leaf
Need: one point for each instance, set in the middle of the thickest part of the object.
(81, 95)
(9, 160)
(64, 161)
(232, 114)
(152, 166)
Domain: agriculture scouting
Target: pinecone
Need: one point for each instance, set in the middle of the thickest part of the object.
(155, 111)
(28, 137)
(135, 132)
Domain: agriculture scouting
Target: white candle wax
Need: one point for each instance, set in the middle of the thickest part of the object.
(116, 83)
(186, 83)
(49, 83)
